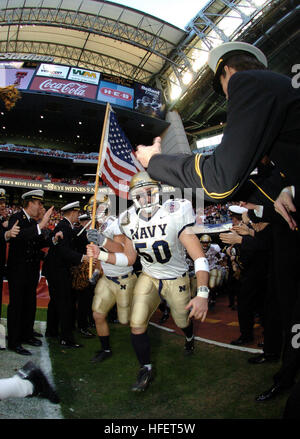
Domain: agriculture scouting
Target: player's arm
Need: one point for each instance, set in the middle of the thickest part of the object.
(97, 238)
(126, 257)
(199, 304)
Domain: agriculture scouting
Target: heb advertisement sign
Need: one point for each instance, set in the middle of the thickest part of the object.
(20, 78)
(82, 75)
(64, 87)
(115, 94)
(53, 71)
(148, 100)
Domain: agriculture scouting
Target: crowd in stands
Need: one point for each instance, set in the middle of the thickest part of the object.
(93, 156)
(49, 178)
(213, 214)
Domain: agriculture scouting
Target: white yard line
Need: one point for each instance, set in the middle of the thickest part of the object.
(217, 343)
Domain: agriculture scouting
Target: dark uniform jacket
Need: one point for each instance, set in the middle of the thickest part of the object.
(25, 248)
(62, 256)
(262, 119)
(2, 248)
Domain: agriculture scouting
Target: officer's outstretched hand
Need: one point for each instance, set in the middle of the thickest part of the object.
(144, 153)
(199, 307)
(46, 218)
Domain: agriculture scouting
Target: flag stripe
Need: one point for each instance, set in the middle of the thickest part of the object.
(112, 159)
(118, 164)
(113, 175)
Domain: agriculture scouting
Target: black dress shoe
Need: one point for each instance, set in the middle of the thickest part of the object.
(271, 393)
(41, 386)
(263, 358)
(32, 341)
(241, 341)
(70, 344)
(20, 350)
(37, 334)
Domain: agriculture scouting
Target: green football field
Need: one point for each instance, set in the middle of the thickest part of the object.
(214, 383)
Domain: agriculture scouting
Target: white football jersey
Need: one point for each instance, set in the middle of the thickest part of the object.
(211, 253)
(109, 229)
(156, 239)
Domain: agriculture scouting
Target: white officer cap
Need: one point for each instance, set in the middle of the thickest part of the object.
(220, 54)
(71, 206)
(84, 217)
(37, 194)
(2, 194)
(238, 209)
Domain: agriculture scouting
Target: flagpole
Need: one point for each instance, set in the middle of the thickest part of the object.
(108, 108)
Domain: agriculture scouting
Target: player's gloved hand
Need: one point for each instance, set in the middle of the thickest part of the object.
(94, 236)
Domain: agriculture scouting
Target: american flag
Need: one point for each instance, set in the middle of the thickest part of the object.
(118, 163)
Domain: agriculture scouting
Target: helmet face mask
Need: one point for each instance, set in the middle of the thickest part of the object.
(102, 212)
(145, 197)
(205, 242)
(144, 192)
(103, 207)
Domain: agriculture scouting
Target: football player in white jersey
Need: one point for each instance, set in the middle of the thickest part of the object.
(213, 255)
(159, 234)
(117, 282)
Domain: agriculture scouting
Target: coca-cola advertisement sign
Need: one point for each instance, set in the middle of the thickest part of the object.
(64, 87)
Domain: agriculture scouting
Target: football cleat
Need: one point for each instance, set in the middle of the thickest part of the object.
(143, 380)
(101, 356)
(189, 347)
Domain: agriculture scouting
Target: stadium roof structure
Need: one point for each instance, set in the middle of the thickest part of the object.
(97, 35)
(118, 40)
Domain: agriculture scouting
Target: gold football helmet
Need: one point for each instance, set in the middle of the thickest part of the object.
(205, 242)
(144, 191)
(103, 206)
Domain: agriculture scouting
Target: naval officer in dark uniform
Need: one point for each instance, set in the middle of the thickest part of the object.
(3, 229)
(57, 269)
(83, 298)
(262, 130)
(23, 269)
(263, 116)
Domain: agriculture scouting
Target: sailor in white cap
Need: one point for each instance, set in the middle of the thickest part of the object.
(23, 270)
(219, 55)
(57, 269)
(37, 194)
(75, 206)
(239, 210)
(84, 217)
